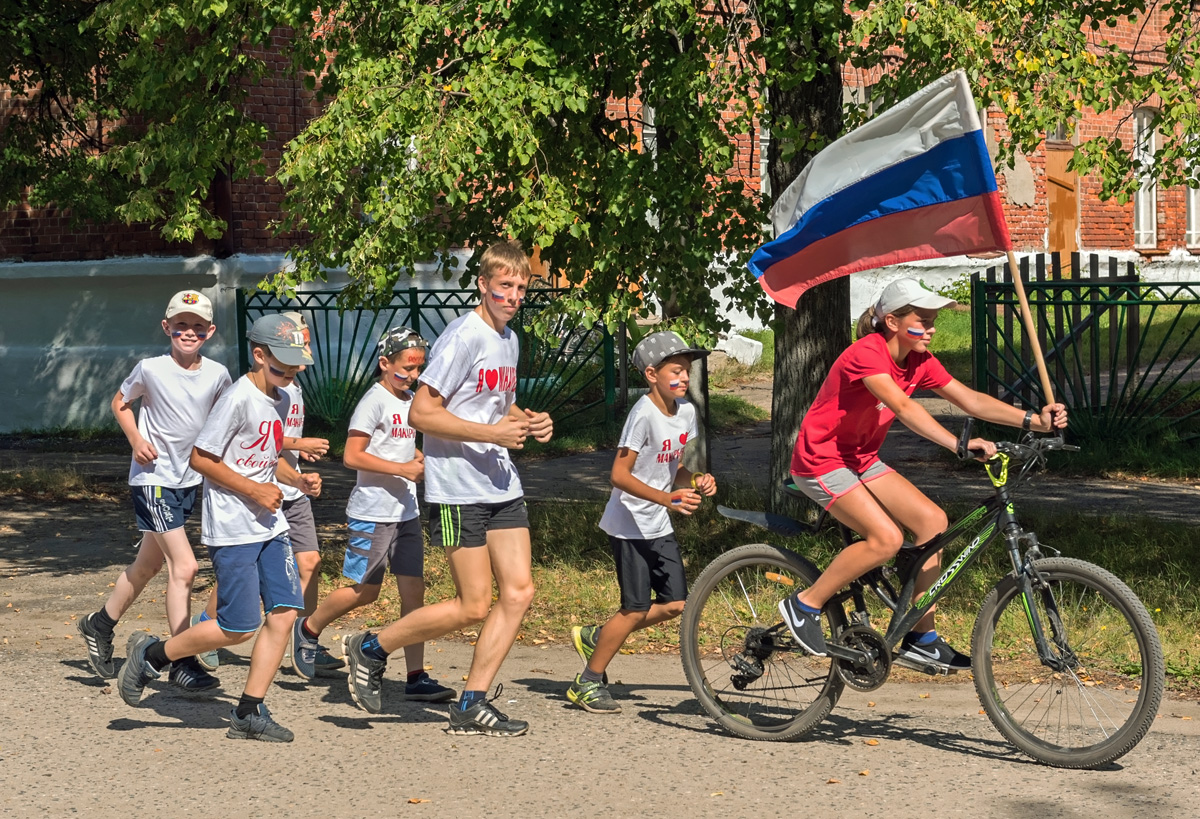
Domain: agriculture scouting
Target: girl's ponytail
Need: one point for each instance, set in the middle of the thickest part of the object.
(866, 323)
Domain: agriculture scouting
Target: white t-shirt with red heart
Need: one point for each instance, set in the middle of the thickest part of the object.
(376, 497)
(658, 439)
(474, 369)
(244, 430)
(291, 407)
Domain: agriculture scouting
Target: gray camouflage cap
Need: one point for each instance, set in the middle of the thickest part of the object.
(657, 347)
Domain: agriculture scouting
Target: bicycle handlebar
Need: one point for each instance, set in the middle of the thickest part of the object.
(1028, 449)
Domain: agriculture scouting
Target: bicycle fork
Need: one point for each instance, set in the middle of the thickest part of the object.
(1031, 586)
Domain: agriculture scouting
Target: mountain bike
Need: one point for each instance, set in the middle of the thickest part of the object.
(1066, 660)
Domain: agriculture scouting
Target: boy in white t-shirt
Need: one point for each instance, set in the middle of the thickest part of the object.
(176, 391)
(237, 452)
(384, 522)
(648, 479)
(466, 407)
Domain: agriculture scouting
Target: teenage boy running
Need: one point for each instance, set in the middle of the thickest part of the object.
(177, 391)
(466, 408)
(384, 522)
(648, 479)
(237, 452)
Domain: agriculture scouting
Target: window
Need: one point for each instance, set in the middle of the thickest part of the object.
(1145, 201)
(1191, 236)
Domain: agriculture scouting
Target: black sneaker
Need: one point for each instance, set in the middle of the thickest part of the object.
(366, 674)
(99, 648)
(136, 673)
(484, 718)
(258, 725)
(804, 626)
(189, 677)
(937, 655)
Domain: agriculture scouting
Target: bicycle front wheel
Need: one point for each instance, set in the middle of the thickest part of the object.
(1096, 698)
(738, 655)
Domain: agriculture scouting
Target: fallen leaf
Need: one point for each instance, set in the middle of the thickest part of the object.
(864, 773)
(464, 677)
(924, 696)
(833, 781)
(717, 793)
(1185, 717)
(982, 711)
(538, 642)
(870, 704)
(416, 801)
(871, 742)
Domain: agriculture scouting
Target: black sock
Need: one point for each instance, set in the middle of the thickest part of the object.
(413, 676)
(307, 631)
(156, 655)
(248, 705)
(103, 623)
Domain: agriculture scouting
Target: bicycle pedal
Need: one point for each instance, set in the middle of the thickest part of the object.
(925, 668)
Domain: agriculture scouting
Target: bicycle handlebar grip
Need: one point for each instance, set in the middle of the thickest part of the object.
(964, 438)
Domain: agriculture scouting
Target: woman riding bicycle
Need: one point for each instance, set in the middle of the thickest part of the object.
(836, 460)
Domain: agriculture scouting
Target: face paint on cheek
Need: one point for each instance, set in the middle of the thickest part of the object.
(915, 333)
(275, 372)
(673, 384)
(499, 297)
(179, 334)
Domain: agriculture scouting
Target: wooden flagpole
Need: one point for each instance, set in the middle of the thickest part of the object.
(1030, 332)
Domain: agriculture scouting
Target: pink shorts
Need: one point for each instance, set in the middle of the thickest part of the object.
(827, 488)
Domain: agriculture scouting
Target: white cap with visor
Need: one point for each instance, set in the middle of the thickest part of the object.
(905, 292)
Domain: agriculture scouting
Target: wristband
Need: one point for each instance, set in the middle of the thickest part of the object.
(1028, 422)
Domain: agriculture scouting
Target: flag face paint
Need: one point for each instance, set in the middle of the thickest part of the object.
(499, 297)
(915, 333)
(673, 385)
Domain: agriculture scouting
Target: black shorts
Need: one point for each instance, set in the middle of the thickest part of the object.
(467, 525)
(648, 565)
(163, 508)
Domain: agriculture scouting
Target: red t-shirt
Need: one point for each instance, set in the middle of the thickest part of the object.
(846, 424)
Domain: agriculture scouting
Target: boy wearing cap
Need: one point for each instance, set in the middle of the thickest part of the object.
(466, 407)
(177, 391)
(237, 452)
(383, 518)
(648, 479)
(836, 460)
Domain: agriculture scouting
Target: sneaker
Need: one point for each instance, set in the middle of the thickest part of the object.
(304, 651)
(366, 674)
(484, 718)
(592, 696)
(326, 661)
(136, 673)
(805, 627)
(190, 678)
(937, 655)
(584, 638)
(258, 725)
(427, 689)
(99, 648)
(209, 660)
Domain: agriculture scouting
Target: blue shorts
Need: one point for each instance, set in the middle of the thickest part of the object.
(374, 547)
(250, 573)
(163, 508)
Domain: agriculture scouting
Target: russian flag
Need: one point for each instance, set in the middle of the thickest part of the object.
(914, 183)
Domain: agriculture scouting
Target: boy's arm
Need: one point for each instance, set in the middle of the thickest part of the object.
(357, 457)
(308, 482)
(702, 482)
(267, 495)
(681, 500)
(430, 416)
(313, 448)
(541, 427)
(143, 451)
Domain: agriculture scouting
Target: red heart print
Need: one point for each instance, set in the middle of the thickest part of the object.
(492, 377)
(683, 439)
(277, 430)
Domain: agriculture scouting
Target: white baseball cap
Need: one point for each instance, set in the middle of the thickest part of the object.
(190, 301)
(905, 292)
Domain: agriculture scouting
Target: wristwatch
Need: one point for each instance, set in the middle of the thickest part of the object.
(1028, 422)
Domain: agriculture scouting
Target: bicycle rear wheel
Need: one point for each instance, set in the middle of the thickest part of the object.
(1100, 701)
(738, 655)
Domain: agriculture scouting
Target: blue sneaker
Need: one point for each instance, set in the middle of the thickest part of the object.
(209, 660)
(327, 662)
(187, 676)
(136, 674)
(259, 725)
(427, 689)
(304, 651)
(804, 626)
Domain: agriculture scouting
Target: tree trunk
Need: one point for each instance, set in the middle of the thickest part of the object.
(810, 338)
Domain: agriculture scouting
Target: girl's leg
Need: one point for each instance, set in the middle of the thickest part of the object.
(339, 602)
(181, 572)
(616, 631)
(129, 585)
(412, 597)
(471, 569)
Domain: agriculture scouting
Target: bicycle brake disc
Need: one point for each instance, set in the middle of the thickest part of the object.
(869, 674)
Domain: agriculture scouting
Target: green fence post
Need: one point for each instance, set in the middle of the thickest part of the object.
(610, 378)
(978, 330)
(243, 344)
(414, 310)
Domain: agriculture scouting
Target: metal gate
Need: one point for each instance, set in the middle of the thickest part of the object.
(1121, 354)
(571, 374)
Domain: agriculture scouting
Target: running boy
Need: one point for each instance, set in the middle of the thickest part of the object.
(466, 407)
(385, 529)
(237, 452)
(836, 460)
(648, 479)
(177, 391)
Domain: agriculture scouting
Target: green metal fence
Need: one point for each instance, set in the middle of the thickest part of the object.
(1121, 354)
(571, 374)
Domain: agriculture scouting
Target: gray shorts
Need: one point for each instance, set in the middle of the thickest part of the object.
(302, 529)
(375, 547)
(827, 488)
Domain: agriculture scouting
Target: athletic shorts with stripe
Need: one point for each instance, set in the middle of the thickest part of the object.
(468, 524)
(826, 489)
(377, 546)
(255, 577)
(163, 508)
